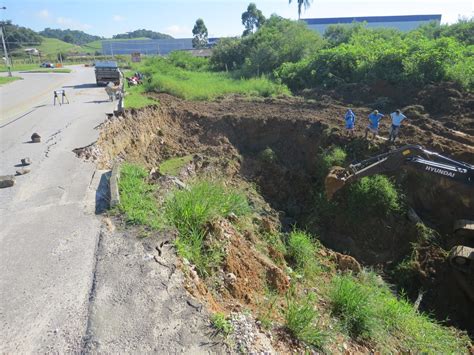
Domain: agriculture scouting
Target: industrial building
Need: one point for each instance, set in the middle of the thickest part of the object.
(402, 23)
(150, 46)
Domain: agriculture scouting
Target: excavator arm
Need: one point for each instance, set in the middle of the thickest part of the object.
(417, 158)
(412, 157)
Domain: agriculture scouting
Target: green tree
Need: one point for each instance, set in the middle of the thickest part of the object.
(200, 34)
(68, 38)
(302, 3)
(252, 19)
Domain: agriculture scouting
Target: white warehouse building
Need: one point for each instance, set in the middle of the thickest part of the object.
(402, 23)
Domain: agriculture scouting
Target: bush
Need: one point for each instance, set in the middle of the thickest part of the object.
(276, 42)
(373, 196)
(300, 317)
(187, 61)
(369, 55)
(334, 157)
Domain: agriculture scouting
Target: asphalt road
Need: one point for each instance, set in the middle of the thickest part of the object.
(48, 227)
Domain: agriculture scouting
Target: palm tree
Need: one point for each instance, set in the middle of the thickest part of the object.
(305, 3)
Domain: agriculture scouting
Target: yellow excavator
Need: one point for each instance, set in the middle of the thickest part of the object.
(415, 157)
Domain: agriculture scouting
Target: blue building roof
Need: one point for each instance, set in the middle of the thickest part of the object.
(371, 19)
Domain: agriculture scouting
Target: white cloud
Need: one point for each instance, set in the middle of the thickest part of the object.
(44, 14)
(66, 22)
(118, 18)
(178, 31)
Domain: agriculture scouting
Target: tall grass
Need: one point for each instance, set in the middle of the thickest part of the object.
(301, 320)
(204, 85)
(301, 252)
(368, 309)
(189, 211)
(136, 197)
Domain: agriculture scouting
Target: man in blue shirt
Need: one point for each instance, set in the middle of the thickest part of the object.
(350, 122)
(397, 118)
(374, 119)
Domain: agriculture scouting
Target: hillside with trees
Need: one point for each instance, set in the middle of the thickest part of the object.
(69, 36)
(142, 33)
(18, 36)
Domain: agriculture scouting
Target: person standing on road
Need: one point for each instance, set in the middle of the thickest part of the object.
(373, 127)
(350, 122)
(397, 118)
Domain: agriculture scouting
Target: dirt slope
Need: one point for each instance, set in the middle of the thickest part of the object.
(234, 131)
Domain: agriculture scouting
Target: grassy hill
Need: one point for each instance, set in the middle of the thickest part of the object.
(52, 46)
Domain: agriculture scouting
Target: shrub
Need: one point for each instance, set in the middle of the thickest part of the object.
(335, 156)
(276, 42)
(268, 155)
(187, 61)
(373, 196)
(350, 302)
(300, 317)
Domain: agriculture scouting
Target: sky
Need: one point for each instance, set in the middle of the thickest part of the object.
(222, 17)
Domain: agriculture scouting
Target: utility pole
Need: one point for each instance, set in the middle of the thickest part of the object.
(5, 47)
(6, 53)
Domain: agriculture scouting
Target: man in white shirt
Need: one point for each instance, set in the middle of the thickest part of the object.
(397, 118)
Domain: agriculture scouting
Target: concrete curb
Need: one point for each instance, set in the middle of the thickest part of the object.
(113, 185)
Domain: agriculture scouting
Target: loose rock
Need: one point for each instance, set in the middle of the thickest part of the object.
(7, 181)
(22, 171)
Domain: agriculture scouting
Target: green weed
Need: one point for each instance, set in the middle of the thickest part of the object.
(189, 211)
(350, 302)
(8, 79)
(221, 324)
(367, 308)
(301, 252)
(204, 85)
(174, 165)
(135, 97)
(136, 197)
(300, 319)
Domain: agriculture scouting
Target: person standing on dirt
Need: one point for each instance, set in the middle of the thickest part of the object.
(373, 127)
(350, 122)
(397, 118)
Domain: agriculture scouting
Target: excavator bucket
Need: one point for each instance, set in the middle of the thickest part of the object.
(334, 181)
